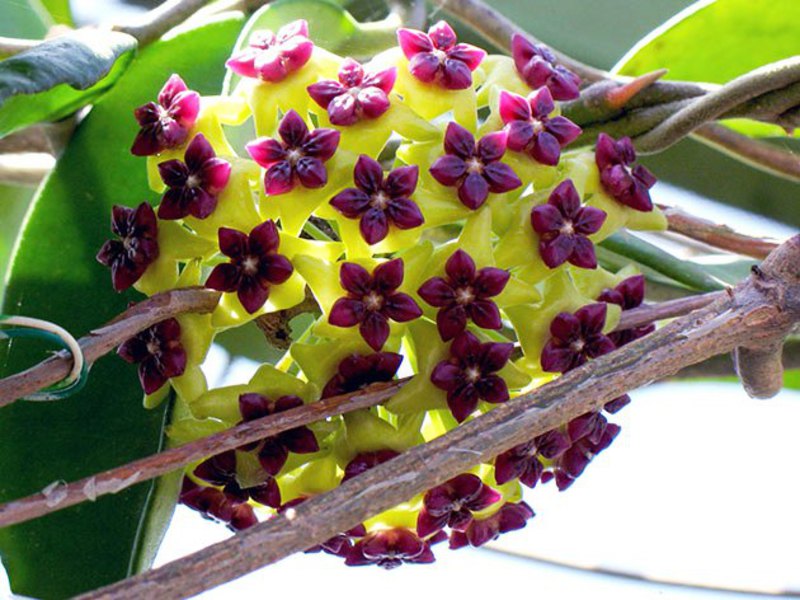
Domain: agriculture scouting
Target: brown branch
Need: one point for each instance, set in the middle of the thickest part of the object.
(758, 154)
(101, 341)
(718, 236)
(758, 312)
(161, 19)
(117, 479)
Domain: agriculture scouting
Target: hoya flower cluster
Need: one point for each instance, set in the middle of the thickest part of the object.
(454, 249)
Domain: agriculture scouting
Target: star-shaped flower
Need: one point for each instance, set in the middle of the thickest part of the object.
(165, 124)
(628, 294)
(435, 57)
(523, 461)
(564, 225)
(531, 129)
(254, 267)
(136, 248)
(271, 57)
(274, 450)
(379, 202)
(357, 95)
(367, 460)
(575, 338)
(469, 375)
(480, 531)
(159, 353)
(464, 294)
(629, 185)
(452, 504)
(572, 463)
(537, 66)
(389, 548)
(299, 157)
(221, 470)
(358, 371)
(474, 169)
(372, 300)
(193, 183)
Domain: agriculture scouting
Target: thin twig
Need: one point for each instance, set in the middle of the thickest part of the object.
(718, 236)
(101, 341)
(764, 156)
(759, 311)
(117, 479)
(161, 19)
(10, 46)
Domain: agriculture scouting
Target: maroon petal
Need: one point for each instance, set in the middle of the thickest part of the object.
(589, 220)
(470, 55)
(198, 152)
(201, 203)
(383, 80)
(266, 151)
(388, 275)
(442, 35)
(451, 321)
(557, 250)
(474, 191)
(355, 279)
(437, 292)
(493, 389)
(373, 102)
(252, 294)
(501, 178)
(520, 134)
(253, 406)
(460, 268)
(485, 314)
(311, 172)
(321, 143)
(324, 92)
(232, 243)
(446, 376)
(456, 75)
(279, 178)
(368, 174)
(264, 238)
(495, 355)
(374, 226)
(401, 182)
(351, 202)
(564, 130)
(428, 524)
(292, 129)
(276, 268)
(413, 42)
(401, 308)
(268, 493)
(448, 169)
(224, 278)
(565, 326)
(272, 456)
(300, 440)
(462, 402)
(491, 281)
(375, 330)
(514, 107)
(173, 173)
(424, 66)
(492, 146)
(592, 317)
(546, 149)
(459, 141)
(546, 218)
(404, 213)
(346, 312)
(583, 254)
(150, 378)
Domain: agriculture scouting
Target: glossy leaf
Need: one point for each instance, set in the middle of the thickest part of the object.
(718, 41)
(55, 276)
(59, 76)
(329, 25)
(59, 11)
(23, 19)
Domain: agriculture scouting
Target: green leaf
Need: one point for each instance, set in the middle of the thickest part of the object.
(58, 10)
(23, 19)
(14, 200)
(718, 41)
(55, 276)
(686, 272)
(329, 25)
(57, 77)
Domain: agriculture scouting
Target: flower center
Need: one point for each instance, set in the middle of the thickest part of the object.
(538, 126)
(293, 155)
(163, 116)
(373, 301)
(567, 228)
(193, 181)
(380, 200)
(578, 345)
(128, 243)
(354, 91)
(472, 374)
(474, 165)
(464, 295)
(441, 55)
(153, 347)
(250, 265)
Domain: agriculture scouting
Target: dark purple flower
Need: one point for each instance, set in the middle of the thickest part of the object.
(617, 404)
(274, 450)
(475, 169)
(358, 371)
(522, 462)
(379, 202)
(481, 531)
(464, 295)
(629, 185)
(531, 129)
(469, 375)
(255, 264)
(389, 548)
(372, 300)
(575, 338)
(627, 294)
(367, 460)
(536, 64)
(299, 158)
(193, 185)
(338, 545)
(219, 504)
(221, 470)
(166, 124)
(452, 504)
(574, 460)
(435, 57)
(159, 352)
(564, 225)
(272, 57)
(356, 95)
(136, 248)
